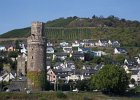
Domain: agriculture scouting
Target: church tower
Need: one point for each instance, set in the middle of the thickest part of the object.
(36, 61)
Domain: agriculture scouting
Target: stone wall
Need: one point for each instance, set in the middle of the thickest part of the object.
(36, 46)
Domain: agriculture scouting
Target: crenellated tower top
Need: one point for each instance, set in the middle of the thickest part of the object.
(37, 33)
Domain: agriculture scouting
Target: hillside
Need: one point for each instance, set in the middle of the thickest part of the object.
(75, 28)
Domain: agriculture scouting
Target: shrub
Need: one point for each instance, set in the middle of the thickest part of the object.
(61, 95)
(42, 98)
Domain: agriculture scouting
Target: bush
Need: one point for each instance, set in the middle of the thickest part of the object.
(42, 98)
(61, 95)
(87, 98)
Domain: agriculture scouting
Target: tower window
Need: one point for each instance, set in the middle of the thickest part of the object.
(32, 57)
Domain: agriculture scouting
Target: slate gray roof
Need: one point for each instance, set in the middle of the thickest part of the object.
(98, 67)
(77, 54)
(134, 72)
(61, 54)
(122, 50)
(104, 40)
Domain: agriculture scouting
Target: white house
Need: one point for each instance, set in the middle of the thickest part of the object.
(77, 56)
(7, 77)
(109, 42)
(136, 76)
(49, 44)
(75, 44)
(61, 56)
(2, 48)
(102, 43)
(98, 53)
(74, 77)
(50, 50)
(23, 49)
(137, 60)
(126, 68)
(113, 43)
(84, 50)
(64, 44)
(67, 49)
(88, 43)
(120, 51)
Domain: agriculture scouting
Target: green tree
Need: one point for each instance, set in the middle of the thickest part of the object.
(119, 58)
(111, 79)
(1, 66)
(88, 56)
(97, 60)
(13, 54)
(17, 42)
(83, 85)
(132, 81)
(13, 64)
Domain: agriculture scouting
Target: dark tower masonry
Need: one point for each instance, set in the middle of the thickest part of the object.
(36, 63)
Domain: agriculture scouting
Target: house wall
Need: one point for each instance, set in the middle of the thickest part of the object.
(51, 76)
(74, 77)
(116, 51)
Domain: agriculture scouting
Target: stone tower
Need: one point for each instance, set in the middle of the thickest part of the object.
(21, 65)
(36, 61)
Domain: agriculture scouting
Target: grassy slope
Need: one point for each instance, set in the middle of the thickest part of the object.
(53, 96)
(17, 33)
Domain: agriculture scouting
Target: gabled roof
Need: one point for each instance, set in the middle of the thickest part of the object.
(89, 41)
(61, 54)
(62, 72)
(104, 40)
(49, 47)
(131, 62)
(69, 62)
(57, 64)
(122, 50)
(131, 67)
(67, 48)
(86, 49)
(98, 67)
(78, 54)
(134, 72)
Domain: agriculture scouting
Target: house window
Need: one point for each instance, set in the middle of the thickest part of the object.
(32, 57)
(53, 76)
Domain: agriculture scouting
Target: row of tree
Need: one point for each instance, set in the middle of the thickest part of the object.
(95, 21)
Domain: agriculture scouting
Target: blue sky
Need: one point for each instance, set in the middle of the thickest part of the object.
(16, 14)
